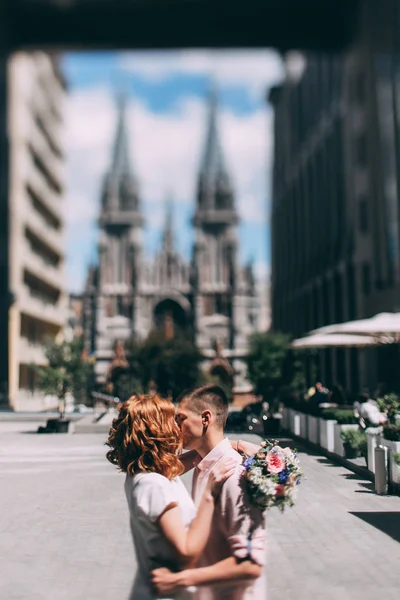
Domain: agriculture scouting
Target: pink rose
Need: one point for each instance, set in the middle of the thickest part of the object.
(276, 463)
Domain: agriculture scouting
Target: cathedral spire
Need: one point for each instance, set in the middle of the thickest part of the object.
(213, 163)
(168, 234)
(120, 191)
(214, 185)
(120, 156)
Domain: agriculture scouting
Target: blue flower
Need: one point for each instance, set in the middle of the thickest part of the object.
(248, 462)
(298, 482)
(283, 476)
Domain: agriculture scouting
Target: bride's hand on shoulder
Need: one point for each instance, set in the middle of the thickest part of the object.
(219, 474)
(244, 447)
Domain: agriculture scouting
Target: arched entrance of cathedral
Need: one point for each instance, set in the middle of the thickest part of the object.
(171, 317)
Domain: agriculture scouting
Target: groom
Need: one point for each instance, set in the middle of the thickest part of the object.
(232, 564)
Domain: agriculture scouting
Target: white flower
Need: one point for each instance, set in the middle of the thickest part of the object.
(256, 472)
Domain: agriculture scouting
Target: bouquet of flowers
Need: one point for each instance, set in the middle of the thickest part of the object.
(272, 476)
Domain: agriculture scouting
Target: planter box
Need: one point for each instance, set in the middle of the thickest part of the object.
(327, 434)
(338, 443)
(395, 474)
(57, 426)
(303, 426)
(373, 440)
(394, 469)
(313, 429)
(295, 423)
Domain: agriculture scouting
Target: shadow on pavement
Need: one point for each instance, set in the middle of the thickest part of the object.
(387, 522)
(354, 476)
(327, 462)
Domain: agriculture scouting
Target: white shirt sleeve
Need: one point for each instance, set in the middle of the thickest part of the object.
(154, 493)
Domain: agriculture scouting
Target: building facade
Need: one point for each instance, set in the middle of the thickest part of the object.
(335, 214)
(212, 298)
(36, 252)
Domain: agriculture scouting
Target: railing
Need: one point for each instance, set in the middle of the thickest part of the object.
(106, 399)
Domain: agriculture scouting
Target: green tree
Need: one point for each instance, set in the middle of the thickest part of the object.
(172, 364)
(68, 371)
(272, 365)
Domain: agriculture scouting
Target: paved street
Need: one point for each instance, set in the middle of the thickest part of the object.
(64, 528)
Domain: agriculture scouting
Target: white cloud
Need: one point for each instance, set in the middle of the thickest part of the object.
(261, 271)
(256, 69)
(89, 128)
(248, 145)
(165, 153)
(166, 150)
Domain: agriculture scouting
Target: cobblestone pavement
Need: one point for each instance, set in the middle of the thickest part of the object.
(64, 528)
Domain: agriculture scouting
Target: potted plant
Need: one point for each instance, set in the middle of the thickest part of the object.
(391, 439)
(353, 440)
(345, 420)
(395, 468)
(389, 405)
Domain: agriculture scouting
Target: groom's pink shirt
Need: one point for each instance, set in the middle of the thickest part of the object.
(231, 533)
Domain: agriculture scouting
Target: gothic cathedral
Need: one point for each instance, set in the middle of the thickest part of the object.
(212, 299)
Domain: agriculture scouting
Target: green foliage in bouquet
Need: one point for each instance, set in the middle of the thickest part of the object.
(272, 476)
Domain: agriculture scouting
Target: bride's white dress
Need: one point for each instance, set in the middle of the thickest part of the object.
(148, 494)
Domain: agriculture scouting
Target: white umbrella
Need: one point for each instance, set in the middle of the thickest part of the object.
(332, 340)
(383, 325)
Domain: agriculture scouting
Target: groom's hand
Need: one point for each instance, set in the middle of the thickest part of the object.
(165, 581)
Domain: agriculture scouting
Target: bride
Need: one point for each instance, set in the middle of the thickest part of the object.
(145, 443)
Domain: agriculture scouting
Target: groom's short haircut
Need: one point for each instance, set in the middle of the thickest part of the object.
(211, 397)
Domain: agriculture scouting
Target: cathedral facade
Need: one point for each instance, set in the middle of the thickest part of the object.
(211, 298)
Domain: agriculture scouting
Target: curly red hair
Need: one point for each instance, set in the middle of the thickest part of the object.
(145, 437)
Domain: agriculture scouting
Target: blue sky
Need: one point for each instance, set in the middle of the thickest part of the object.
(166, 119)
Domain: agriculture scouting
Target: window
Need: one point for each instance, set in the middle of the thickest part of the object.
(363, 215)
(41, 249)
(361, 150)
(221, 304)
(208, 306)
(351, 295)
(366, 279)
(359, 89)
